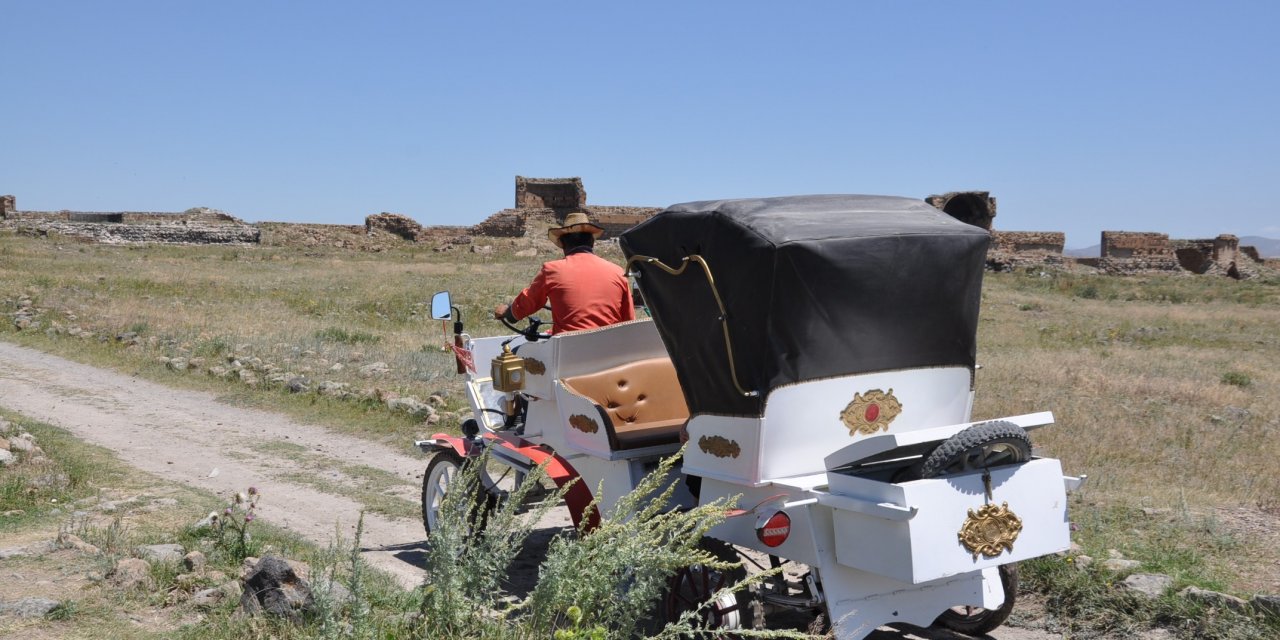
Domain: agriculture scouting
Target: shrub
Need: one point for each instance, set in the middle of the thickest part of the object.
(631, 555)
(1236, 379)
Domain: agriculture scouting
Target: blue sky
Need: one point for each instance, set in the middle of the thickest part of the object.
(1078, 116)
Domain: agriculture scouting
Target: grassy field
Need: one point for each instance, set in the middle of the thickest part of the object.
(144, 510)
(1165, 389)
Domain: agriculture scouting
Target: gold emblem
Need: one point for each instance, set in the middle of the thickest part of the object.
(534, 366)
(583, 423)
(991, 530)
(719, 446)
(870, 413)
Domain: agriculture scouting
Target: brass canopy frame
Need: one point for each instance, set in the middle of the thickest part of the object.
(724, 317)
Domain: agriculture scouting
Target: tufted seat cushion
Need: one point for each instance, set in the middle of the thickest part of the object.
(642, 399)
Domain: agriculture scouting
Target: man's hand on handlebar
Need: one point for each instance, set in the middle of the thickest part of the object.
(502, 313)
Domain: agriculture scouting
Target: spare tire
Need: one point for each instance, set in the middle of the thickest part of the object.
(980, 447)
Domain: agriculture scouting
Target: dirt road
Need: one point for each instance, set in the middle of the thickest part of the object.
(192, 438)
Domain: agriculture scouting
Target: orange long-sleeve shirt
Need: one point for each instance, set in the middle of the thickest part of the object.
(585, 290)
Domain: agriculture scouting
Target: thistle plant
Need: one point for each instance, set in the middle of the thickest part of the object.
(232, 524)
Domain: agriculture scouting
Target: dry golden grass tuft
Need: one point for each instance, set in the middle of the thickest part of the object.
(1142, 389)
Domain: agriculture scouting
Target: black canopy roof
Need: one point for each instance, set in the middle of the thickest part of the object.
(813, 287)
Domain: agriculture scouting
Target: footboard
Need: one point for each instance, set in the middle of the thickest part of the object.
(929, 529)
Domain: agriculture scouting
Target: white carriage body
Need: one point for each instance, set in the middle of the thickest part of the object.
(835, 349)
(866, 538)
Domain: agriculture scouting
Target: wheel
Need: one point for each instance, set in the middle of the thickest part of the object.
(441, 472)
(976, 621)
(440, 476)
(982, 446)
(694, 585)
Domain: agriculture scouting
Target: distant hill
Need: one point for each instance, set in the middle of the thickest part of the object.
(1267, 247)
(1092, 251)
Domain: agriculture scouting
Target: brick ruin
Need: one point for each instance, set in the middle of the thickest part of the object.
(1127, 252)
(199, 225)
(1136, 251)
(1009, 249)
(543, 203)
(977, 208)
(550, 193)
(1123, 252)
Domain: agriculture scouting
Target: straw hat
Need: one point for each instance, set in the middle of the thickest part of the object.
(576, 222)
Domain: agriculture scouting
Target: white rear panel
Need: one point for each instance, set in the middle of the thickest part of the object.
(802, 423)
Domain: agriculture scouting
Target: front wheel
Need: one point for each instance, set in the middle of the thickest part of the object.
(441, 477)
(977, 620)
(436, 482)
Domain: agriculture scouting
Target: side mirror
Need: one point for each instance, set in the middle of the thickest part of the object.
(441, 307)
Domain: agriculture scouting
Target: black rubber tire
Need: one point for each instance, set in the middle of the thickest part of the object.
(435, 485)
(976, 621)
(444, 466)
(691, 586)
(982, 446)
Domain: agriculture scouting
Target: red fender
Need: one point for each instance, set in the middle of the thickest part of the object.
(577, 498)
(460, 445)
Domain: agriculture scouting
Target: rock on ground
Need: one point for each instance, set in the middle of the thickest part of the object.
(28, 607)
(275, 589)
(131, 573)
(1151, 585)
(1215, 599)
(161, 553)
(194, 561)
(1267, 604)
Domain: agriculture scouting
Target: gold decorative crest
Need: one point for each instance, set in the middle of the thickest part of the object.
(719, 446)
(870, 413)
(536, 367)
(991, 530)
(583, 423)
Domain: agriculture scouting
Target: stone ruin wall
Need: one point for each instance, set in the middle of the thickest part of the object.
(550, 193)
(1125, 252)
(1011, 249)
(194, 226)
(1222, 255)
(1019, 241)
(977, 208)
(542, 203)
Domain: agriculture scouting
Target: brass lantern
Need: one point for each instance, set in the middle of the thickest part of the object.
(507, 371)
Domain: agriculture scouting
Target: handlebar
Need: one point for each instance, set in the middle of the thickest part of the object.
(530, 332)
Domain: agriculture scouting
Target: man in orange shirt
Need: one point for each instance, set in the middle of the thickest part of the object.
(585, 290)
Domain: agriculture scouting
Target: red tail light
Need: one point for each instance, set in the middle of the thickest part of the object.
(775, 530)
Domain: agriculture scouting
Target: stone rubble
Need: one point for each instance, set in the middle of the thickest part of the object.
(28, 607)
(1149, 585)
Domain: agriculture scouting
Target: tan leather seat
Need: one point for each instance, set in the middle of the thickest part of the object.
(642, 399)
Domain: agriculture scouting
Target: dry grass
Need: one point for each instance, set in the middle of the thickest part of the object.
(1137, 385)
(1165, 388)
